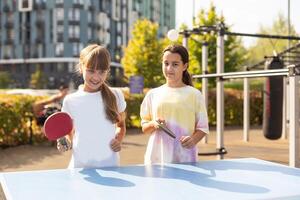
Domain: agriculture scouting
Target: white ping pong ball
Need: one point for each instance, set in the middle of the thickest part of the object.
(173, 35)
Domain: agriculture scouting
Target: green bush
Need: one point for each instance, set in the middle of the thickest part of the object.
(18, 126)
(134, 102)
(5, 79)
(233, 107)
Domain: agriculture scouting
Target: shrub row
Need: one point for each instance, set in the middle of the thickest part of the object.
(18, 126)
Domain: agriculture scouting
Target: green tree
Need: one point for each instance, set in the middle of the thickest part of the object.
(266, 47)
(38, 80)
(234, 52)
(142, 56)
(4, 79)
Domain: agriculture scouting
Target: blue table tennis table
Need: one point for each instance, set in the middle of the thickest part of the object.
(230, 179)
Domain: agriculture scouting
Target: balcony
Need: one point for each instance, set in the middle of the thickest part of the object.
(9, 25)
(74, 39)
(77, 5)
(59, 5)
(40, 6)
(9, 41)
(40, 23)
(39, 40)
(93, 25)
(60, 37)
(74, 22)
(6, 8)
(60, 22)
(91, 8)
(6, 57)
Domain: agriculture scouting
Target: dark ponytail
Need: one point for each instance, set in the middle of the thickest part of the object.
(186, 78)
(184, 54)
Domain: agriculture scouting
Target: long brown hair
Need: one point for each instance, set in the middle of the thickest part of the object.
(97, 57)
(184, 54)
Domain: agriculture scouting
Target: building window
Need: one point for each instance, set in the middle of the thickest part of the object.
(116, 9)
(59, 14)
(104, 6)
(25, 5)
(40, 1)
(59, 49)
(74, 31)
(7, 51)
(76, 48)
(89, 16)
(89, 32)
(74, 14)
(78, 1)
(119, 41)
(40, 50)
(60, 29)
(10, 34)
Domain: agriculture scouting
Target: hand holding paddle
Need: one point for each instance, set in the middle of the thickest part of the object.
(163, 127)
(56, 127)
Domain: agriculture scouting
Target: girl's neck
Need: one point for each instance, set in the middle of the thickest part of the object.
(175, 85)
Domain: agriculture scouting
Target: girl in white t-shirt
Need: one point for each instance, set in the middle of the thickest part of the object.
(97, 112)
(180, 106)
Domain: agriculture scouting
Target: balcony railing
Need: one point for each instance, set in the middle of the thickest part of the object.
(40, 6)
(9, 25)
(60, 37)
(6, 8)
(9, 41)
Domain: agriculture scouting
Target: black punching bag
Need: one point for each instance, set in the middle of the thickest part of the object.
(273, 100)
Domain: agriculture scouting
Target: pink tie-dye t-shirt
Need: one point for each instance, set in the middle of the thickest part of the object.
(184, 112)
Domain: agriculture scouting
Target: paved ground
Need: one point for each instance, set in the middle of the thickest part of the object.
(45, 156)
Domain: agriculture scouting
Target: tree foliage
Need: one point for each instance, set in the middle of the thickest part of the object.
(38, 80)
(266, 47)
(5, 79)
(234, 52)
(142, 56)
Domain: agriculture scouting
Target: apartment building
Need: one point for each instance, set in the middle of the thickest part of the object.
(48, 35)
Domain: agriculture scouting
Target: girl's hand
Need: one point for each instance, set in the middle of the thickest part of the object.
(63, 144)
(158, 121)
(187, 142)
(115, 145)
(151, 126)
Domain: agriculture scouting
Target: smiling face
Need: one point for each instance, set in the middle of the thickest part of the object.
(94, 67)
(93, 79)
(173, 68)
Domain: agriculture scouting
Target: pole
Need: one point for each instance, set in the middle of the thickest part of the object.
(204, 80)
(294, 135)
(220, 92)
(246, 110)
(185, 40)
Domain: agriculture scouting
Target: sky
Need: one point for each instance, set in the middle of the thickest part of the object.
(244, 16)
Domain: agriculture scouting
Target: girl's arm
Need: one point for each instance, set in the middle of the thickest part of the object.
(39, 105)
(121, 127)
(120, 133)
(149, 127)
(191, 141)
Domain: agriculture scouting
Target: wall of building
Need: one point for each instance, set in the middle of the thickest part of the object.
(61, 28)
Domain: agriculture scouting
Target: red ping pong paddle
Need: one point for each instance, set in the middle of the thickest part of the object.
(58, 125)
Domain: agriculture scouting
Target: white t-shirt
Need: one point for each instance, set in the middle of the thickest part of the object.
(93, 132)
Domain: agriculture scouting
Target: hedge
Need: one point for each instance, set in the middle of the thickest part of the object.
(18, 126)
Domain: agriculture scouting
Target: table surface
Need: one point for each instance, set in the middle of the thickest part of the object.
(239, 179)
